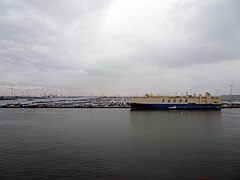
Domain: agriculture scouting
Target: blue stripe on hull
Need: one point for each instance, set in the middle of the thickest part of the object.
(175, 106)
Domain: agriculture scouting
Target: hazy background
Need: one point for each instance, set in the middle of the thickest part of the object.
(119, 47)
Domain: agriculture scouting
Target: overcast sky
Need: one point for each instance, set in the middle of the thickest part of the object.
(120, 47)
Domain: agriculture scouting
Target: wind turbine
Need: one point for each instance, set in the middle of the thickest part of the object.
(231, 86)
(11, 89)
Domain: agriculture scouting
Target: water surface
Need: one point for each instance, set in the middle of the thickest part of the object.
(119, 144)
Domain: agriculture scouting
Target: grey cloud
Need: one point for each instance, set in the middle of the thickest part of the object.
(217, 22)
(36, 33)
(204, 32)
(5, 83)
(182, 55)
(64, 43)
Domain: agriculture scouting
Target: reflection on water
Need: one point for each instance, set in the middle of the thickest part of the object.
(178, 141)
(119, 144)
(176, 120)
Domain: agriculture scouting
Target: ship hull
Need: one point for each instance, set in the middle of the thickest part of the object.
(139, 106)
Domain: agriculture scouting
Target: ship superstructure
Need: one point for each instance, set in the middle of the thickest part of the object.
(150, 101)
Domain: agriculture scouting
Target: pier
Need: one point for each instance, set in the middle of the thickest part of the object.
(66, 102)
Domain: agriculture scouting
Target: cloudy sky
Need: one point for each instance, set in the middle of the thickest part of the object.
(120, 47)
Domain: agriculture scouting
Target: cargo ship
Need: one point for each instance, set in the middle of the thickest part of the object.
(150, 101)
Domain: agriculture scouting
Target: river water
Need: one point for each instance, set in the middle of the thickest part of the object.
(119, 144)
